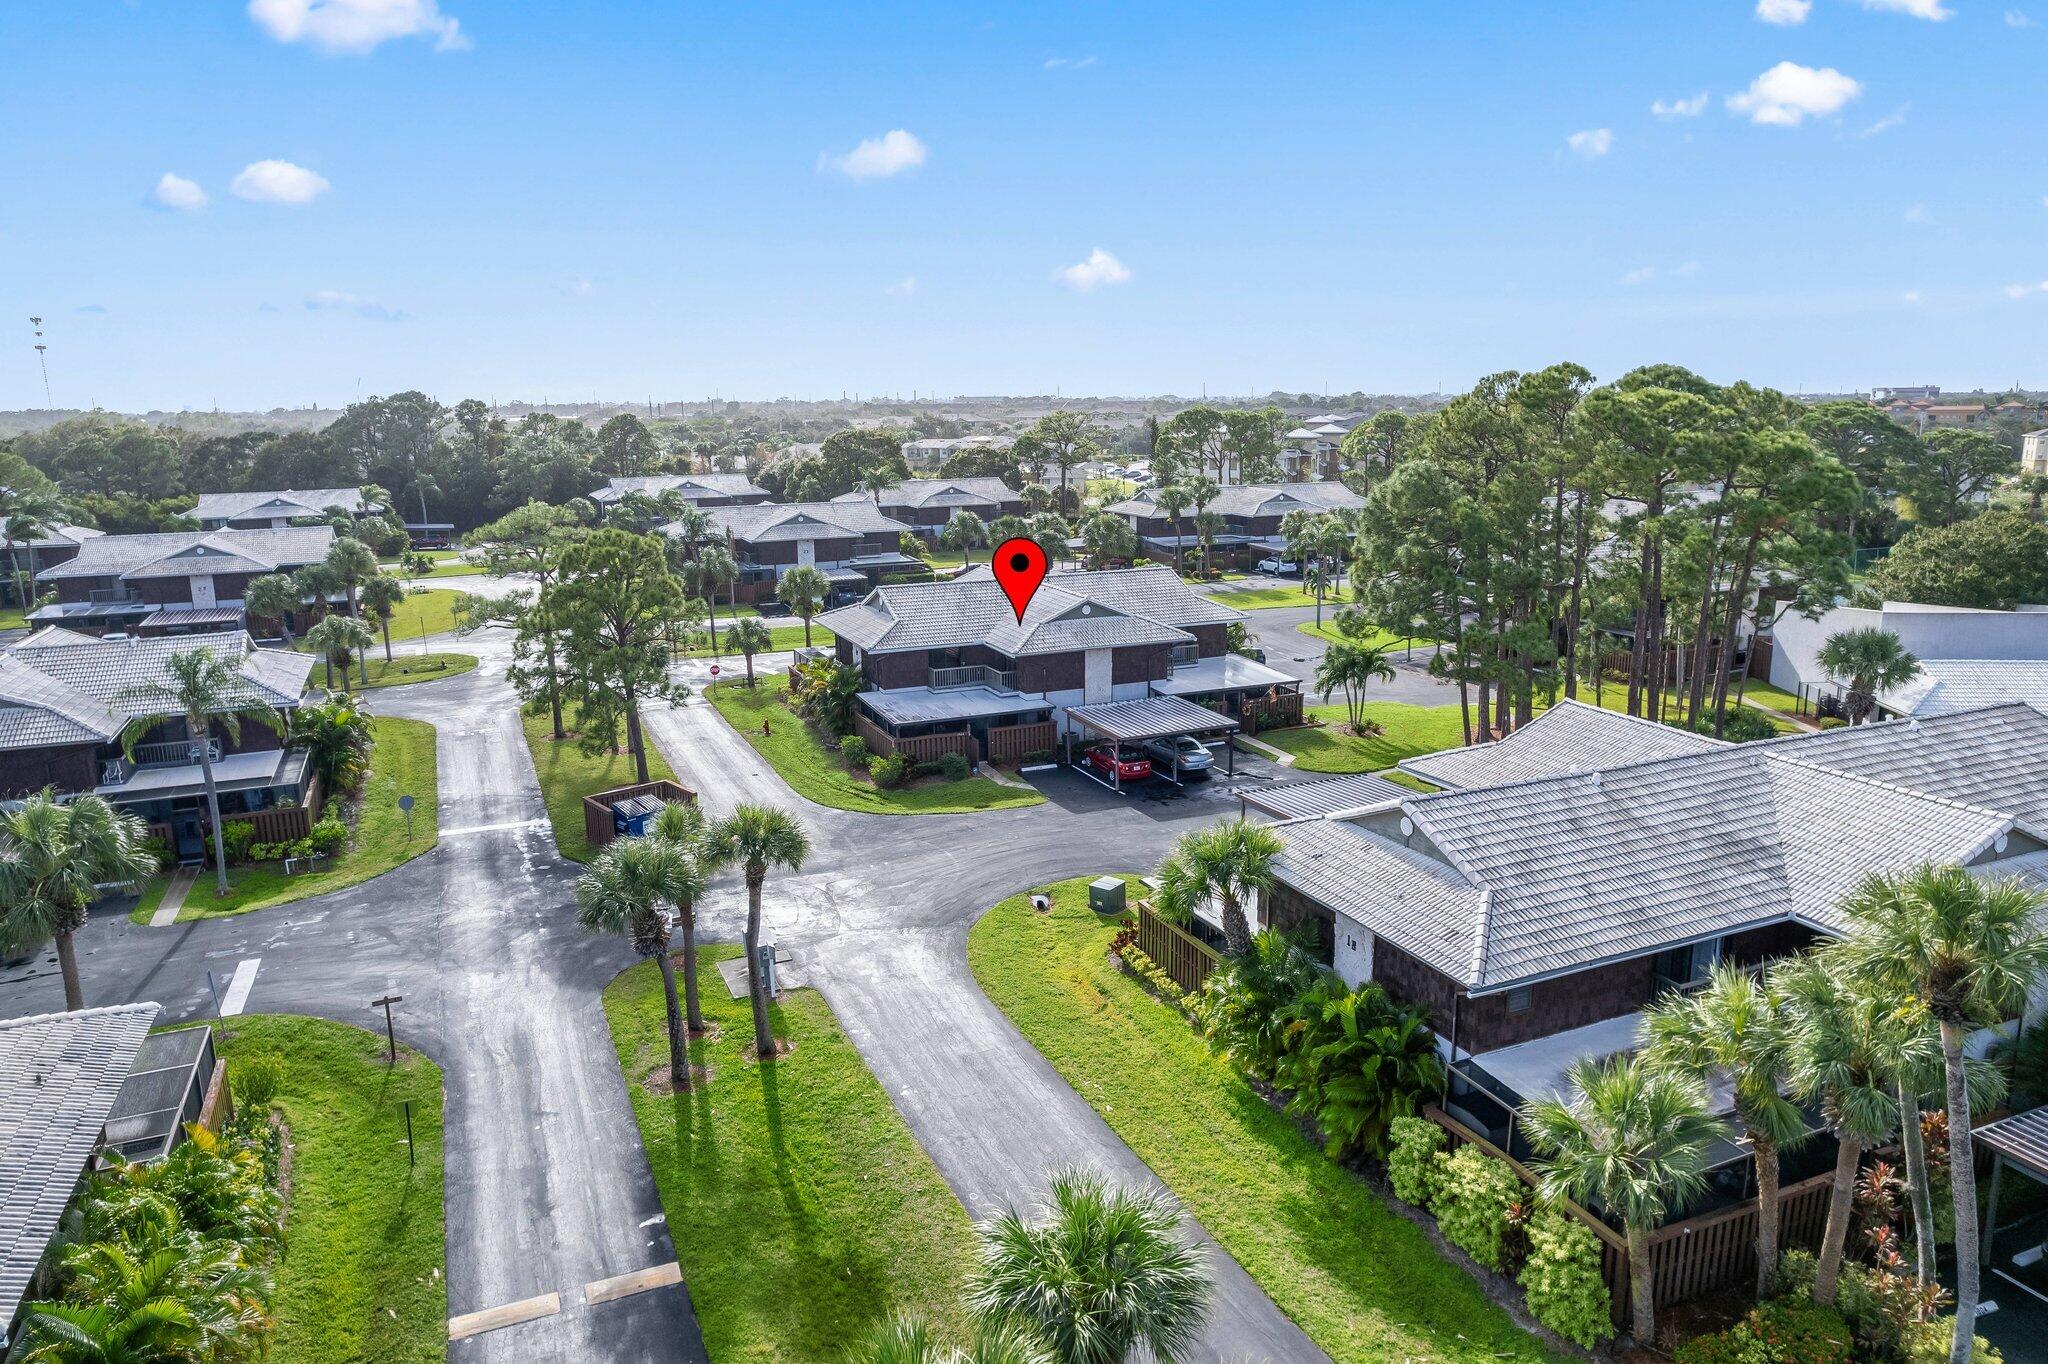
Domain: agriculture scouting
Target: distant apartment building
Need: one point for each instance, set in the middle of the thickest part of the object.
(1910, 393)
(2034, 452)
(179, 582)
(1922, 415)
(701, 490)
(852, 543)
(1251, 512)
(277, 509)
(1313, 450)
(933, 453)
(927, 504)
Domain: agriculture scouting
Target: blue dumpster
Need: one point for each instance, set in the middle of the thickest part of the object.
(631, 816)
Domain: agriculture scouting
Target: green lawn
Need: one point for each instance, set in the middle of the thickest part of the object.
(1406, 732)
(1329, 633)
(363, 1275)
(818, 774)
(448, 563)
(402, 764)
(425, 611)
(1263, 598)
(1362, 1281)
(780, 637)
(802, 1209)
(407, 668)
(568, 774)
(12, 618)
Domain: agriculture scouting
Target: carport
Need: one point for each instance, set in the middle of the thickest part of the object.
(1152, 717)
(2019, 1143)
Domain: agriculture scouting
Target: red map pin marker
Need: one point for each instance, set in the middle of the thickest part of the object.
(1019, 566)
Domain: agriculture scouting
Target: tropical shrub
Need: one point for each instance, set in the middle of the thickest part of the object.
(1246, 1001)
(1783, 1331)
(237, 836)
(1927, 1342)
(336, 737)
(854, 750)
(328, 837)
(258, 1076)
(1475, 1203)
(1740, 725)
(822, 691)
(1562, 1279)
(1355, 1061)
(889, 771)
(1412, 1159)
(1147, 970)
(953, 767)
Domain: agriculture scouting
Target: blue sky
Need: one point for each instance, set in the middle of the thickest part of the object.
(522, 200)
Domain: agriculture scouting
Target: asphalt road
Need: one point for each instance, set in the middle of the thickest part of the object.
(548, 1187)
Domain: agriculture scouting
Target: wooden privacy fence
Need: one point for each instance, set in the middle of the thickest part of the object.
(923, 748)
(597, 807)
(1689, 1258)
(1184, 957)
(283, 824)
(1011, 743)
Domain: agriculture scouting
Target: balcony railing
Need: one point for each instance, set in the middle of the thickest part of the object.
(174, 753)
(973, 675)
(1186, 655)
(114, 596)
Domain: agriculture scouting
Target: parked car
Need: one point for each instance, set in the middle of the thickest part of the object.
(1194, 759)
(1120, 761)
(1279, 567)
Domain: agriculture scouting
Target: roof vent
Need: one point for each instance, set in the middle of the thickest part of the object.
(1407, 827)
(1595, 776)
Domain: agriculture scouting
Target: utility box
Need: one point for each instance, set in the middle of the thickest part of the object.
(1106, 895)
(631, 816)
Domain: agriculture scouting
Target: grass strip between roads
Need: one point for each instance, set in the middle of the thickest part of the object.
(1265, 598)
(803, 1210)
(402, 763)
(568, 774)
(819, 774)
(781, 639)
(364, 1272)
(1361, 1280)
(404, 669)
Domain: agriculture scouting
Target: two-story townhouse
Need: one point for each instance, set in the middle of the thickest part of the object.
(278, 509)
(1313, 450)
(953, 657)
(1575, 871)
(927, 504)
(701, 490)
(1251, 512)
(178, 582)
(68, 702)
(852, 543)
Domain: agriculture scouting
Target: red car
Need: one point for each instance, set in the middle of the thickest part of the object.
(1123, 763)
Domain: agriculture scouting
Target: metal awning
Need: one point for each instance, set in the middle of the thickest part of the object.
(1153, 717)
(160, 1095)
(194, 615)
(2021, 1139)
(234, 772)
(1225, 672)
(924, 705)
(1312, 799)
(852, 576)
(893, 559)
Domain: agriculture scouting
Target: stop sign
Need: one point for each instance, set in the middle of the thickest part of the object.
(714, 670)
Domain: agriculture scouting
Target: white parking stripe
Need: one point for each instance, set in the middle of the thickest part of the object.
(238, 988)
(493, 828)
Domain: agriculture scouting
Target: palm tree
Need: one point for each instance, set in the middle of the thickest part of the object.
(149, 1313)
(27, 514)
(1228, 861)
(336, 738)
(682, 823)
(757, 837)
(1633, 1139)
(53, 858)
(1172, 499)
(804, 590)
(274, 596)
(907, 1340)
(1208, 525)
(317, 583)
(1838, 1056)
(1734, 1027)
(201, 687)
(351, 562)
(623, 891)
(1100, 1273)
(382, 596)
(1869, 662)
(713, 568)
(1351, 667)
(748, 636)
(1965, 951)
(964, 530)
(340, 641)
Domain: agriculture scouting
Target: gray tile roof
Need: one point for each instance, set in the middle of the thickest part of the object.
(1128, 606)
(188, 553)
(691, 486)
(1324, 795)
(283, 502)
(767, 522)
(1996, 757)
(60, 687)
(61, 537)
(940, 492)
(60, 1074)
(1569, 737)
(1577, 869)
(1254, 499)
(1946, 685)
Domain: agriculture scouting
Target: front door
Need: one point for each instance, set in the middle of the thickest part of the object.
(807, 553)
(202, 590)
(1095, 674)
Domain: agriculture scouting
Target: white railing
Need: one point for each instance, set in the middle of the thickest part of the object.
(972, 675)
(174, 753)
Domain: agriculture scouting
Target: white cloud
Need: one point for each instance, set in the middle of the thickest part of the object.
(906, 285)
(1910, 296)
(1917, 213)
(335, 300)
(175, 191)
(1640, 275)
(1687, 270)
(892, 153)
(1068, 63)
(356, 26)
(1098, 270)
(1890, 121)
(2026, 290)
(2017, 18)
(278, 182)
(1788, 94)
(1680, 108)
(1919, 9)
(1783, 11)
(1591, 142)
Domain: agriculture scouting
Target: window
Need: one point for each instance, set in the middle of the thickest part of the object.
(1521, 999)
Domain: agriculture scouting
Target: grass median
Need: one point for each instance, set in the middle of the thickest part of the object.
(401, 763)
(803, 1210)
(404, 669)
(364, 1270)
(568, 774)
(819, 774)
(1361, 1280)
